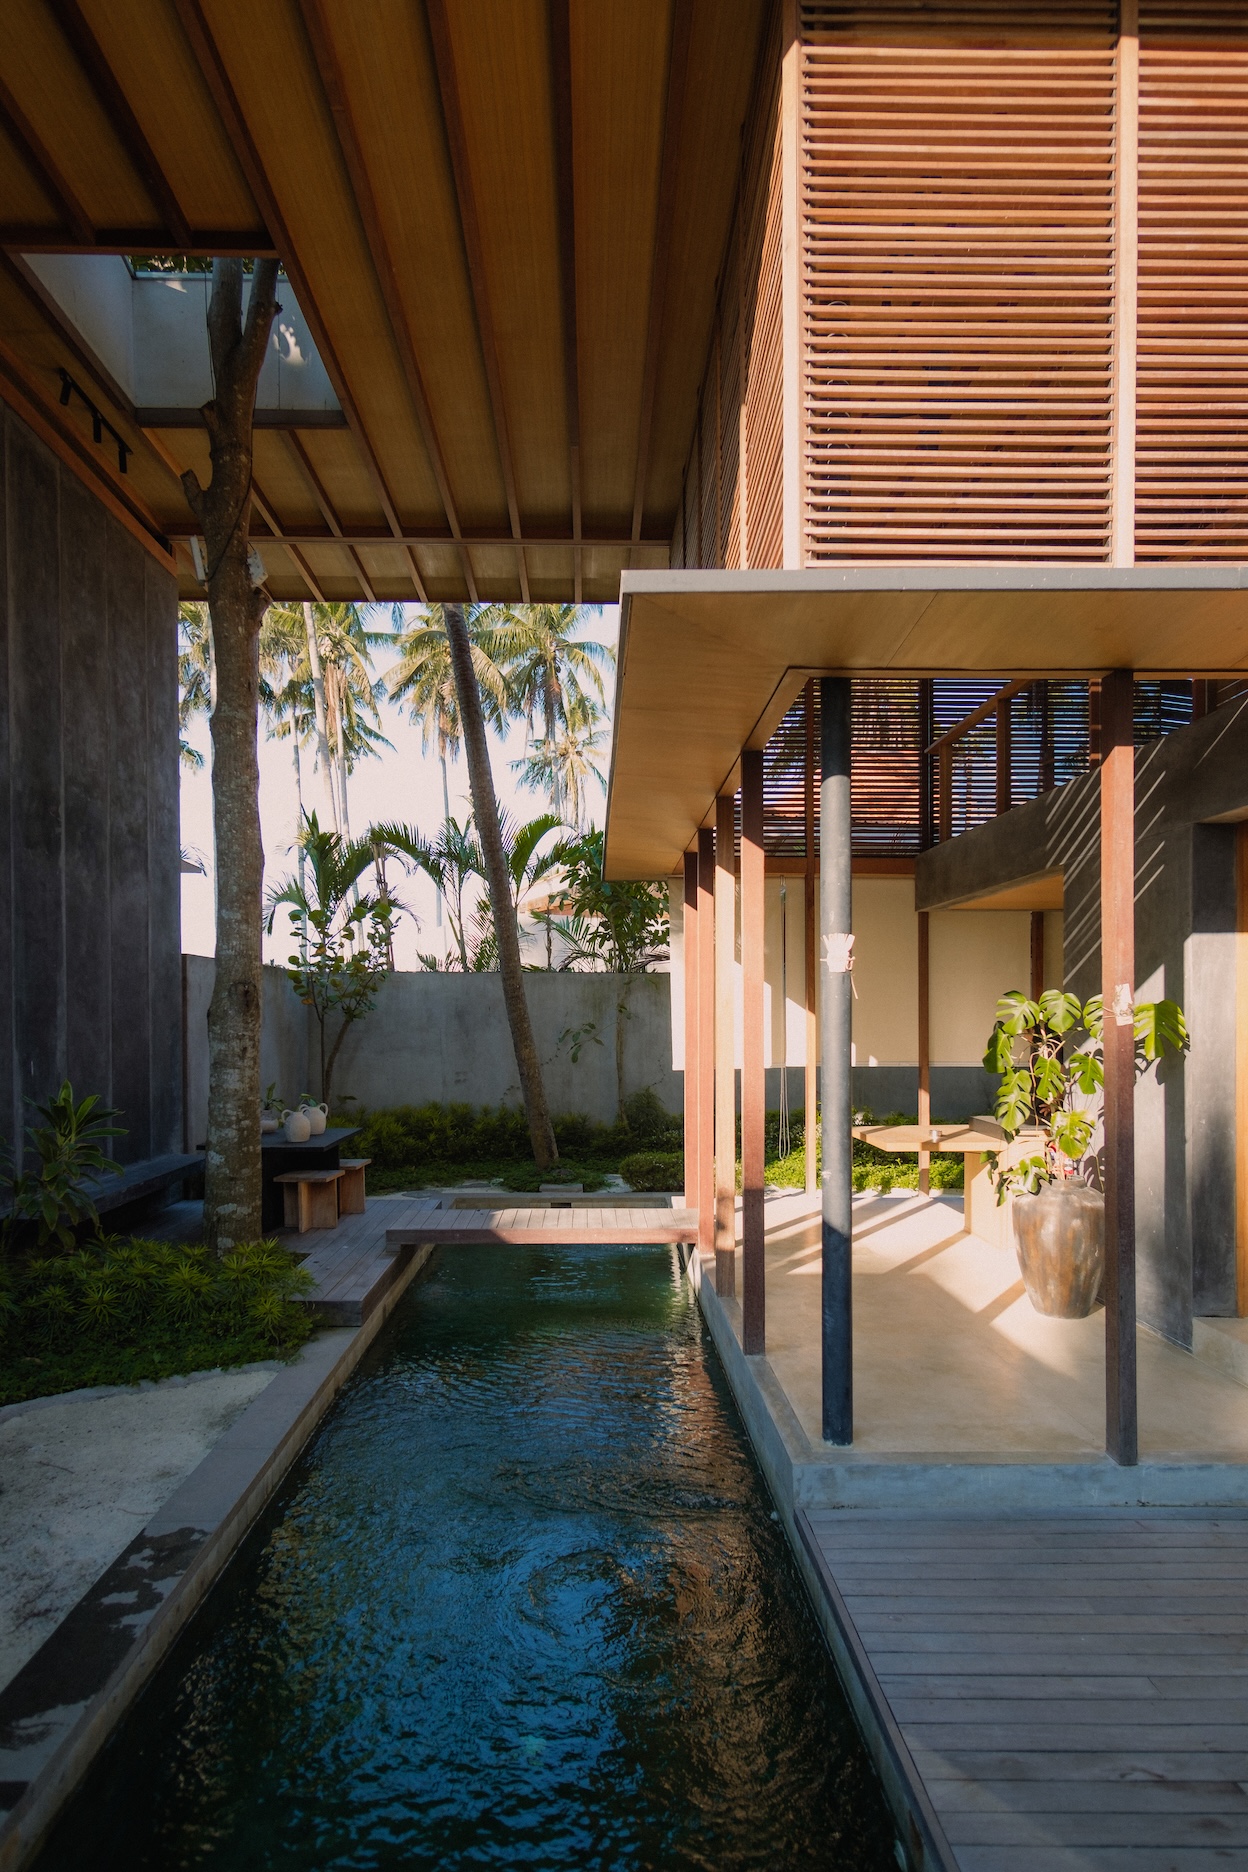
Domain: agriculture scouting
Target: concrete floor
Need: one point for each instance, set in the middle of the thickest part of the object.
(951, 1359)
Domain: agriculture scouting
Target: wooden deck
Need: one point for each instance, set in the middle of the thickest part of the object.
(356, 1263)
(1058, 1694)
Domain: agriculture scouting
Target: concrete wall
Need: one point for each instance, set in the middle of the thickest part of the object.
(89, 936)
(444, 1038)
(1191, 787)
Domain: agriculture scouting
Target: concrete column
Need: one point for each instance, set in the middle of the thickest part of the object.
(1118, 991)
(690, 901)
(753, 1083)
(836, 952)
(725, 1048)
(706, 1042)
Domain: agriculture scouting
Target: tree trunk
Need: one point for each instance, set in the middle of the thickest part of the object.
(223, 509)
(498, 879)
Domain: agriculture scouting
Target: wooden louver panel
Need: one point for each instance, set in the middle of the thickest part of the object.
(958, 279)
(1192, 376)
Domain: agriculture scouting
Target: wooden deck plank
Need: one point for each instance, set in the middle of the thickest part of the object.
(1068, 1693)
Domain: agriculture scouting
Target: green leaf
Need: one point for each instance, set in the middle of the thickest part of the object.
(1050, 1078)
(1086, 1072)
(1071, 1132)
(999, 1057)
(1017, 1014)
(1014, 1101)
(1159, 1029)
(1060, 1012)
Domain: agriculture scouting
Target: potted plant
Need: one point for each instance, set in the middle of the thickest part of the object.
(1049, 1055)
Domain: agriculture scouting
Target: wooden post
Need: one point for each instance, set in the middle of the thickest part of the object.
(706, 1041)
(692, 1077)
(944, 804)
(1241, 1070)
(1117, 986)
(725, 1048)
(811, 956)
(835, 894)
(925, 1048)
(1005, 759)
(1094, 724)
(1037, 954)
(753, 1082)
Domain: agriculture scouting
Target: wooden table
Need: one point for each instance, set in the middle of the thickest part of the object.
(278, 1155)
(973, 1141)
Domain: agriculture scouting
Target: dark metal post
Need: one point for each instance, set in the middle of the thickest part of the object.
(753, 1082)
(925, 1048)
(1118, 988)
(836, 960)
(706, 1042)
(692, 1087)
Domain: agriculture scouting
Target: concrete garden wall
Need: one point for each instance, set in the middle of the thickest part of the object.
(445, 1038)
(89, 916)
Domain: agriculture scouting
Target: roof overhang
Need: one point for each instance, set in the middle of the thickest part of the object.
(710, 661)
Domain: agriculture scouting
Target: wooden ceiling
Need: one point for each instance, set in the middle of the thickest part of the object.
(710, 661)
(502, 220)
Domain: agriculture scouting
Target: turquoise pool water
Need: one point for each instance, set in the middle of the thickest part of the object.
(522, 1603)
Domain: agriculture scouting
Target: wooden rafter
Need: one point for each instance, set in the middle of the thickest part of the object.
(330, 69)
(217, 79)
(203, 243)
(45, 167)
(673, 122)
(561, 68)
(268, 513)
(327, 509)
(103, 81)
(457, 143)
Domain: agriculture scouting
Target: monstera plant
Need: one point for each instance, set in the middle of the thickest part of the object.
(1050, 1056)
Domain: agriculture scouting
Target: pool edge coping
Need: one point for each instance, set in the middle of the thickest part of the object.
(235, 1482)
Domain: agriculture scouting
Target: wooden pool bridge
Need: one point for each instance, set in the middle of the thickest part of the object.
(355, 1264)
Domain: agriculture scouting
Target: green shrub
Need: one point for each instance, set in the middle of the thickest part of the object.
(650, 1124)
(430, 1142)
(118, 1311)
(654, 1170)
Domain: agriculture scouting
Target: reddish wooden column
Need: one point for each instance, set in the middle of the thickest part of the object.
(925, 1046)
(1118, 988)
(692, 1138)
(706, 1042)
(1005, 758)
(810, 952)
(753, 1082)
(725, 1048)
(1037, 954)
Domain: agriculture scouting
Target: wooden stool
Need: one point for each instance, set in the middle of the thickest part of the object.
(310, 1198)
(351, 1189)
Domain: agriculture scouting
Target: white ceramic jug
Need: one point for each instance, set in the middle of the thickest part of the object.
(298, 1126)
(317, 1115)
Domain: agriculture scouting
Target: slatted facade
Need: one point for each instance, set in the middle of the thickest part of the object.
(1192, 378)
(958, 279)
(732, 505)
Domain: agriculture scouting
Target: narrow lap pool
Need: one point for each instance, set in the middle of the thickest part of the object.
(520, 1604)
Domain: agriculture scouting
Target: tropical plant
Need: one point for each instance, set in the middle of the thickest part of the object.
(1050, 1055)
(555, 676)
(485, 812)
(345, 959)
(197, 676)
(563, 764)
(620, 926)
(68, 1149)
(450, 860)
(317, 684)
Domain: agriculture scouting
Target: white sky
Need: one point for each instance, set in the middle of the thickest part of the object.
(401, 783)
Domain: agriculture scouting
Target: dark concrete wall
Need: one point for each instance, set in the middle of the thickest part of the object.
(1184, 949)
(89, 922)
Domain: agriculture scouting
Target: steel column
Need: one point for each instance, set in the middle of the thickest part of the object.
(810, 952)
(1118, 989)
(836, 1024)
(706, 1042)
(725, 1048)
(925, 1047)
(690, 943)
(753, 1083)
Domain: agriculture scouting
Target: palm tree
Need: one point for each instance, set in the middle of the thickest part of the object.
(197, 675)
(450, 861)
(565, 766)
(324, 654)
(555, 675)
(485, 811)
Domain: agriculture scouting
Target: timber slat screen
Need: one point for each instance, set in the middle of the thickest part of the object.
(1050, 743)
(959, 285)
(1192, 378)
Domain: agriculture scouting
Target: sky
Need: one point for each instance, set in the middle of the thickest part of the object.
(402, 783)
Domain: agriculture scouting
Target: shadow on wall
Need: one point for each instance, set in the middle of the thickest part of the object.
(444, 1038)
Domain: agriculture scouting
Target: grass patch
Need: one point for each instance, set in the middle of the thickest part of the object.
(115, 1311)
(873, 1169)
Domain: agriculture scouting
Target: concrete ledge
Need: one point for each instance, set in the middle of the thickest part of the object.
(65, 1702)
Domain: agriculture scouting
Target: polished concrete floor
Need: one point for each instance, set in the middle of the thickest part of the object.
(951, 1359)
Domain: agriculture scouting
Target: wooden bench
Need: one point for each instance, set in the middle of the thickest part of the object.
(310, 1198)
(351, 1189)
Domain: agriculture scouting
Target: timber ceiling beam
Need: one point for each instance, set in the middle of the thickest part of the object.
(561, 70)
(330, 69)
(217, 79)
(673, 124)
(45, 168)
(203, 244)
(326, 506)
(103, 81)
(470, 228)
(268, 514)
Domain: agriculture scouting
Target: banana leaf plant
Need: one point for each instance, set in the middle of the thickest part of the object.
(1050, 1056)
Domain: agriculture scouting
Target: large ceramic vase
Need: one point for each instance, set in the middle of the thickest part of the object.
(1060, 1237)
